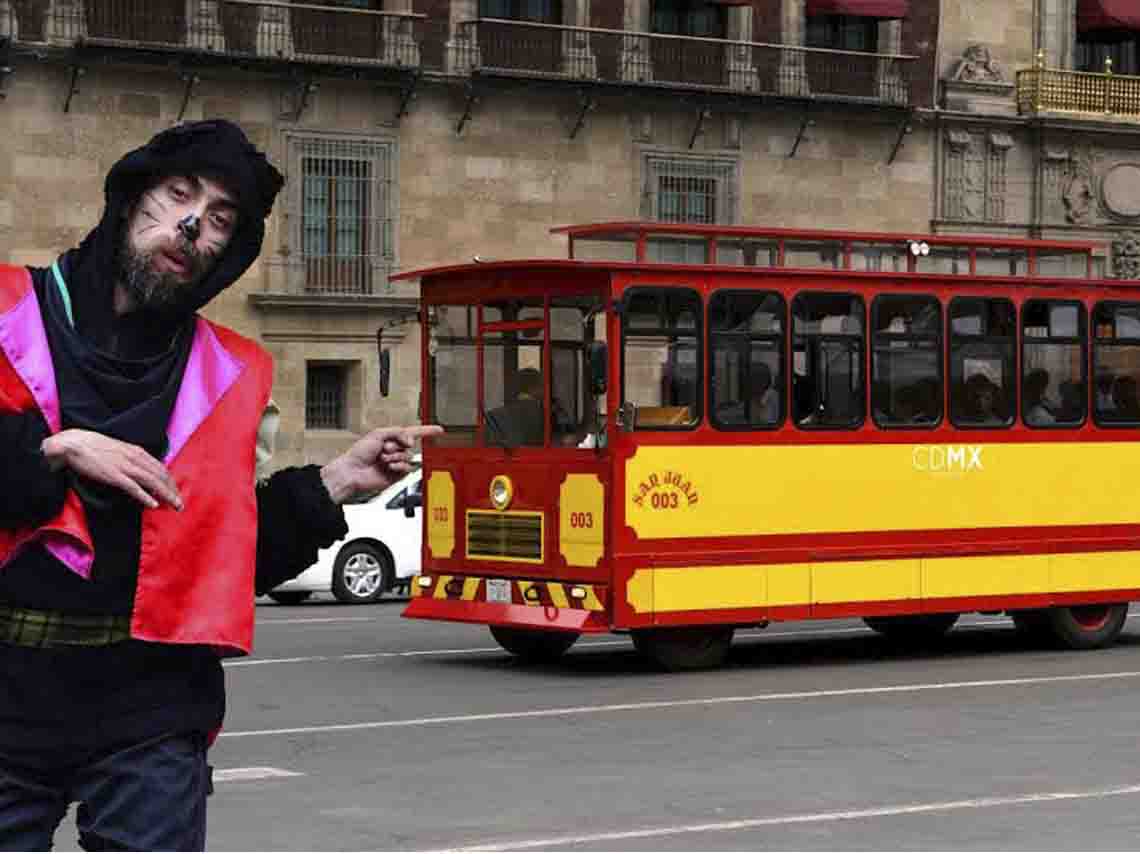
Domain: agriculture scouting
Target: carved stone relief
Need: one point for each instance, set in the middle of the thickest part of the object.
(1120, 191)
(1126, 255)
(975, 186)
(1078, 193)
(1055, 175)
(977, 65)
(979, 84)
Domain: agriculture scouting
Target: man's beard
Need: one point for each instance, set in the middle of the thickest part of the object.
(165, 293)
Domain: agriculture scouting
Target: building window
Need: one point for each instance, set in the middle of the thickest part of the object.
(344, 210)
(326, 396)
(541, 11)
(699, 190)
(842, 32)
(695, 190)
(1096, 46)
(689, 18)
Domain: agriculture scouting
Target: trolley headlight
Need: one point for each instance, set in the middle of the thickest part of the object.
(502, 491)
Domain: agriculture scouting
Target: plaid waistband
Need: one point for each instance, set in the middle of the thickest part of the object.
(43, 629)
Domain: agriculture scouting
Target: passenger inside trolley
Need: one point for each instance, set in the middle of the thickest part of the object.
(520, 421)
(982, 402)
(1037, 410)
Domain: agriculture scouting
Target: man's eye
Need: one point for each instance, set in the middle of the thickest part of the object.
(178, 192)
(221, 221)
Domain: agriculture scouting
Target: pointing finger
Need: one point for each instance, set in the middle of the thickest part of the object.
(423, 431)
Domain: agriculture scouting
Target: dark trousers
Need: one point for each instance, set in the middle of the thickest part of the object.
(143, 797)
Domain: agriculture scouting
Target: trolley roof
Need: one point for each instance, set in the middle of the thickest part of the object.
(656, 246)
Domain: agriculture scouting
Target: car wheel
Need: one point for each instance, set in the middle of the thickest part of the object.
(534, 645)
(913, 628)
(1087, 626)
(688, 648)
(361, 573)
(290, 597)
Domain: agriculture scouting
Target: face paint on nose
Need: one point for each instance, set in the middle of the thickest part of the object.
(190, 227)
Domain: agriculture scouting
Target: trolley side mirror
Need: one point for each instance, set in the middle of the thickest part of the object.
(597, 357)
(627, 417)
(385, 363)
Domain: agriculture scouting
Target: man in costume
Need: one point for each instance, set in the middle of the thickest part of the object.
(132, 535)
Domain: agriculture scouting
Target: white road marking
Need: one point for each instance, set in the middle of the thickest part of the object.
(299, 620)
(487, 650)
(562, 842)
(240, 775)
(567, 711)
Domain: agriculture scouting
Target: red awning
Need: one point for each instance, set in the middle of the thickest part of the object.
(1108, 15)
(864, 8)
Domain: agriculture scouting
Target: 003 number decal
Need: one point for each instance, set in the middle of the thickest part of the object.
(581, 520)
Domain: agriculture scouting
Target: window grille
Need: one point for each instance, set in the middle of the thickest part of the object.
(700, 190)
(343, 208)
(326, 397)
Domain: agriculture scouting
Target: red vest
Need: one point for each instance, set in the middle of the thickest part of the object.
(196, 568)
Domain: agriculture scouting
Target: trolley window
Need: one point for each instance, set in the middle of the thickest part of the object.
(906, 361)
(1053, 376)
(982, 334)
(1116, 363)
(827, 360)
(514, 381)
(746, 334)
(661, 357)
(452, 371)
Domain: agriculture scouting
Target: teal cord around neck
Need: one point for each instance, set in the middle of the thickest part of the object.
(63, 292)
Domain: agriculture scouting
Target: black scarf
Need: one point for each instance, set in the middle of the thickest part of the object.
(127, 397)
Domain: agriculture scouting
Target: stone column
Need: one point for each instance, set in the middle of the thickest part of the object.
(739, 64)
(792, 78)
(578, 58)
(462, 45)
(636, 63)
(400, 45)
(1056, 32)
(888, 81)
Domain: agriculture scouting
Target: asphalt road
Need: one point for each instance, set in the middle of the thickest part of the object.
(352, 728)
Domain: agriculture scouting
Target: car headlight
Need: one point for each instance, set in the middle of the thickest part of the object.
(502, 491)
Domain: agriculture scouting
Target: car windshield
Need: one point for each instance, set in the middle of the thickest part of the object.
(523, 403)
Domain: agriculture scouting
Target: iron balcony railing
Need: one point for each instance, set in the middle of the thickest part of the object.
(1052, 90)
(272, 29)
(620, 56)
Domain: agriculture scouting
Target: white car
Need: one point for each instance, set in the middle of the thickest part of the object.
(380, 554)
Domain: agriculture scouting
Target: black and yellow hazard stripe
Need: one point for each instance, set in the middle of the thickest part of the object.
(461, 588)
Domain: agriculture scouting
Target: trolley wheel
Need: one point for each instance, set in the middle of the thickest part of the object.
(913, 628)
(534, 645)
(688, 648)
(1087, 626)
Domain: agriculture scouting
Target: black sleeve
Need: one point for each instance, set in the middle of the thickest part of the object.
(295, 517)
(32, 492)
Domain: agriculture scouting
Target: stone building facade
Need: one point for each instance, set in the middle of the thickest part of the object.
(419, 132)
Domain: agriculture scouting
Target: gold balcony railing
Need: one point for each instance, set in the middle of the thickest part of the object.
(1052, 90)
(553, 51)
(269, 29)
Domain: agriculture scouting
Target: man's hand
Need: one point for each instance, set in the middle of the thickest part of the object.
(110, 461)
(374, 462)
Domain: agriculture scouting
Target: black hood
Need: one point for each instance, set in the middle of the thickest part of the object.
(214, 148)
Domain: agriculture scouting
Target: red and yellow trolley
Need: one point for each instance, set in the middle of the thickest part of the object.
(681, 430)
